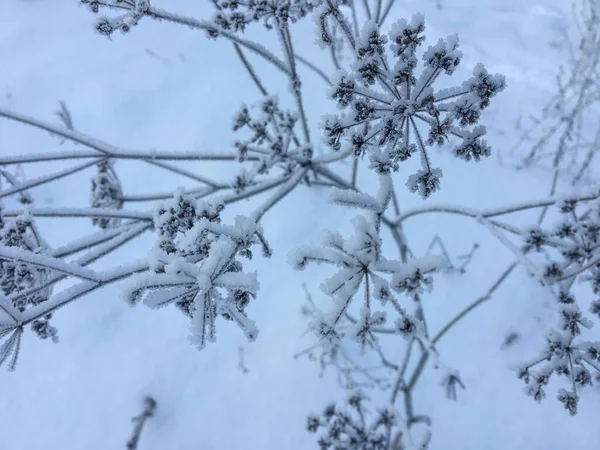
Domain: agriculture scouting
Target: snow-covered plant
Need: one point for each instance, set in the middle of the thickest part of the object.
(363, 267)
(391, 105)
(567, 132)
(392, 112)
(572, 247)
(106, 193)
(235, 15)
(351, 427)
(195, 265)
(25, 284)
(273, 142)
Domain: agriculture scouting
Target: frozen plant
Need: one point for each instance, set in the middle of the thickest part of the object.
(386, 82)
(566, 134)
(195, 265)
(349, 428)
(393, 112)
(572, 247)
(106, 193)
(29, 284)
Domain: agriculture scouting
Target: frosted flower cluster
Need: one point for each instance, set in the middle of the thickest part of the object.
(361, 264)
(235, 15)
(106, 193)
(391, 111)
(23, 282)
(106, 26)
(573, 248)
(196, 265)
(272, 142)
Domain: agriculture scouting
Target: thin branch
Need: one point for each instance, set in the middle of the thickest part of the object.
(386, 11)
(82, 212)
(121, 154)
(314, 68)
(161, 14)
(250, 69)
(27, 184)
(285, 189)
(195, 192)
(286, 40)
(82, 288)
(489, 212)
(425, 356)
(47, 262)
(149, 407)
(476, 303)
(101, 250)
(185, 173)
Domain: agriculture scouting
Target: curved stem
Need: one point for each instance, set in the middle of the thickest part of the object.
(161, 14)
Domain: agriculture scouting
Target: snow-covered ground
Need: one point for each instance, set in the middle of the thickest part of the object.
(169, 87)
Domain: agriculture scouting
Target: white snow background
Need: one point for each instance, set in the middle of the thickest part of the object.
(168, 87)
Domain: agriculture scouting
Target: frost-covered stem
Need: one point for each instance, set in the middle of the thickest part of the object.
(9, 309)
(400, 383)
(408, 407)
(122, 154)
(386, 11)
(513, 248)
(425, 355)
(341, 20)
(102, 250)
(430, 80)
(185, 173)
(81, 289)
(46, 262)
(314, 68)
(331, 157)
(254, 190)
(341, 183)
(354, 173)
(334, 57)
(82, 212)
(286, 40)
(149, 407)
(354, 16)
(420, 314)
(486, 214)
(476, 303)
(424, 158)
(574, 272)
(585, 165)
(250, 69)
(378, 10)
(161, 14)
(97, 238)
(285, 189)
(71, 135)
(100, 146)
(552, 192)
(367, 9)
(20, 187)
(395, 202)
(196, 193)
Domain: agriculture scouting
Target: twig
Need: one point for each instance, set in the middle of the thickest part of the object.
(149, 408)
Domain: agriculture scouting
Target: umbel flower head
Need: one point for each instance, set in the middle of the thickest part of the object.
(346, 427)
(392, 112)
(234, 15)
(23, 282)
(196, 266)
(572, 246)
(271, 140)
(106, 193)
